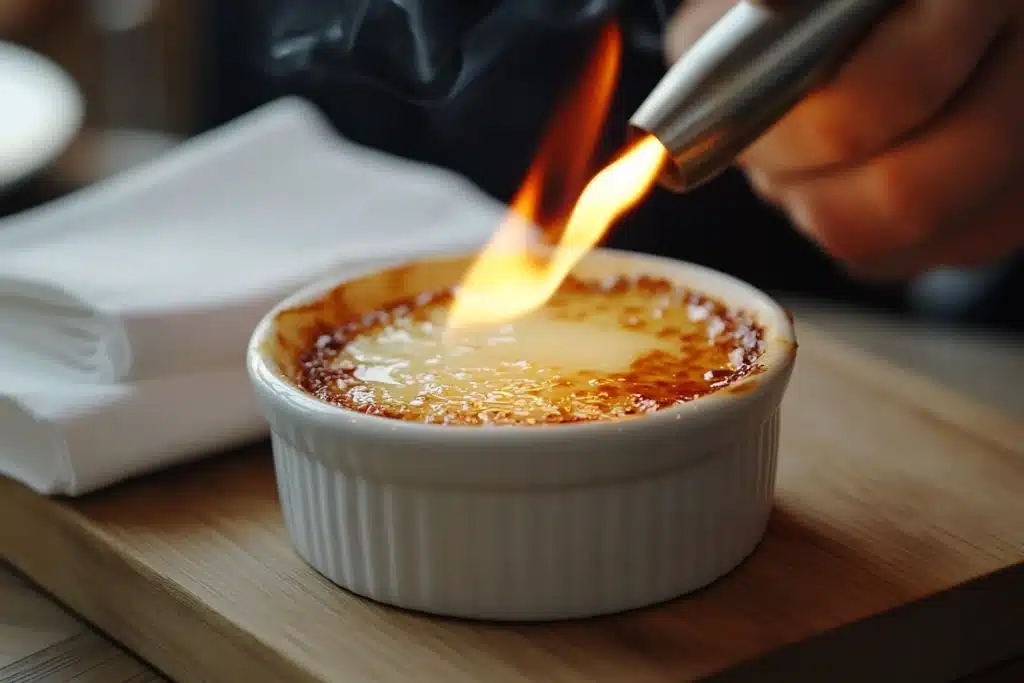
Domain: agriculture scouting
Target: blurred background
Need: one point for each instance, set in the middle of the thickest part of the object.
(467, 85)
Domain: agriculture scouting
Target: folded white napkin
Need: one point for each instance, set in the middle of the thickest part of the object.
(63, 438)
(167, 268)
(125, 308)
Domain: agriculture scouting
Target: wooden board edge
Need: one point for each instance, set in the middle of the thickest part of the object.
(906, 644)
(914, 389)
(915, 643)
(165, 636)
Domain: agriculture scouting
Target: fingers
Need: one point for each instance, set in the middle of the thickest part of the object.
(913, 155)
(928, 186)
(996, 231)
(900, 77)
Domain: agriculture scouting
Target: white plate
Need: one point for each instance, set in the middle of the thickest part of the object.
(41, 111)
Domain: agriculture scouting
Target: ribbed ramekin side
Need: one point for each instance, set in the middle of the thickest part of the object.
(530, 554)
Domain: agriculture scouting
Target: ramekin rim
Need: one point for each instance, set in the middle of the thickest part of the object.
(777, 360)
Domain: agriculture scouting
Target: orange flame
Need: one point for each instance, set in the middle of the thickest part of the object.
(508, 280)
(562, 166)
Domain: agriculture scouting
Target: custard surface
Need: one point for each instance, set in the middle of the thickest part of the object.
(596, 351)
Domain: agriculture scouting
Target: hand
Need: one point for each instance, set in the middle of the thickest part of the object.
(912, 157)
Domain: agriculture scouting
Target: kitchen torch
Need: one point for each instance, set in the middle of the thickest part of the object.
(743, 75)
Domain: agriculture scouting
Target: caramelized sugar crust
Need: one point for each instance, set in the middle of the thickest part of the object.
(689, 345)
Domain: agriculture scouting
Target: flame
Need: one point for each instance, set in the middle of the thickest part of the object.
(562, 165)
(508, 279)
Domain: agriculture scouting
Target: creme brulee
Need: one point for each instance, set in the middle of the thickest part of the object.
(595, 351)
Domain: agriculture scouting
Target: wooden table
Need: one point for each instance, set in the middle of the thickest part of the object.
(40, 642)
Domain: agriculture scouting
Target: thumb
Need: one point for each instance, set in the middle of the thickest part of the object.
(694, 18)
(689, 23)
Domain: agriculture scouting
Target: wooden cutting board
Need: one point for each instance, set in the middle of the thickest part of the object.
(896, 553)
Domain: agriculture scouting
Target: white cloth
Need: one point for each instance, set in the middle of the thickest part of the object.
(166, 268)
(59, 437)
(125, 308)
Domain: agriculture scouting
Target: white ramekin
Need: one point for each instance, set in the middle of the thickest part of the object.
(533, 522)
